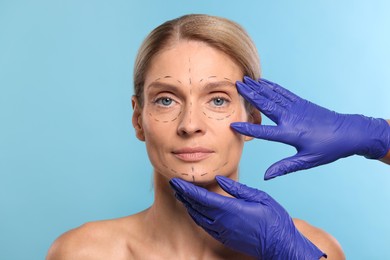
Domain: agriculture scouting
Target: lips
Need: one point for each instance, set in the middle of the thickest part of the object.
(195, 154)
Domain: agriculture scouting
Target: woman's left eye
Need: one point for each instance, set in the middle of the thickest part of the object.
(219, 101)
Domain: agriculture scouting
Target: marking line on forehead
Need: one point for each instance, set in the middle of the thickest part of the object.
(166, 77)
(156, 84)
(189, 70)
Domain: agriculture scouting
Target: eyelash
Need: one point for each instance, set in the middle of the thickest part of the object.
(226, 101)
(158, 101)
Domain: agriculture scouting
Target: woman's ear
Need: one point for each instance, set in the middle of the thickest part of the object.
(137, 119)
(254, 118)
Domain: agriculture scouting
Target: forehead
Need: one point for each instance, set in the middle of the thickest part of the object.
(192, 61)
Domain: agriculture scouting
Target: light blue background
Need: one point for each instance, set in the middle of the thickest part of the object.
(68, 153)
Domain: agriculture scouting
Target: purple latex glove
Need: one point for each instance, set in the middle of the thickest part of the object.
(252, 223)
(320, 136)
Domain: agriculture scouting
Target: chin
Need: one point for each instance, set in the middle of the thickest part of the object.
(197, 178)
(207, 181)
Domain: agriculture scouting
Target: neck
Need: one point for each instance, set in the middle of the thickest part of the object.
(172, 226)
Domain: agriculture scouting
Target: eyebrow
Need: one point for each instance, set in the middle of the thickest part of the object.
(206, 86)
(156, 84)
(216, 84)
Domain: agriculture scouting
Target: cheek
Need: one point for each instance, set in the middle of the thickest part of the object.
(154, 132)
(233, 140)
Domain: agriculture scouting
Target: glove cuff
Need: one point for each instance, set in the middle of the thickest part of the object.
(380, 138)
(298, 248)
(308, 251)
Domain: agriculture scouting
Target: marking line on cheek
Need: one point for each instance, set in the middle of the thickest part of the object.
(219, 118)
(223, 165)
(176, 117)
(164, 121)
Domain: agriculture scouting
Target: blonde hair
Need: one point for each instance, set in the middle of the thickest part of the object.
(220, 33)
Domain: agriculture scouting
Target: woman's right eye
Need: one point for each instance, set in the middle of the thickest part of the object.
(164, 101)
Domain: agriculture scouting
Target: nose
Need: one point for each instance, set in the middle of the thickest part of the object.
(191, 121)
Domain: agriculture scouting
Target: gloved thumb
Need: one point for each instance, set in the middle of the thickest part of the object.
(270, 133)
(287, 165)
(240, 191)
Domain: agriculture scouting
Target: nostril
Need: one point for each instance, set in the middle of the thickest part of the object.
(190, 122)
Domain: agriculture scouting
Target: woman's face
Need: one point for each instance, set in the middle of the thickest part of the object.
(190, 99)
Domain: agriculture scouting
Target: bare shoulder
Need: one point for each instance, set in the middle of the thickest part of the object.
(106, 239)
(323, 240)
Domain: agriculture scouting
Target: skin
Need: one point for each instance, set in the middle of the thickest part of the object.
(165, 229)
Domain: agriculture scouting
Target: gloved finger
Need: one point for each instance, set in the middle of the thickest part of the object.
(180, 198)
(209, 225)
(279, 89)
(204, 222)
(289, 165)
(197, 196)
(197, 215)
(189, 203)
(192, 204)
(266, 132)
(241, 191)
(269, 108)
(265, 89)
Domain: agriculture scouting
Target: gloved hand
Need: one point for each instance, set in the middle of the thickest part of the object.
(252, 223)
(320, 136)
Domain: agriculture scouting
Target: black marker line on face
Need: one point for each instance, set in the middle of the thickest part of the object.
(189, 70)
(223, 165)
(190, 111)
(193, 170)
(166, 121)
(219, 118)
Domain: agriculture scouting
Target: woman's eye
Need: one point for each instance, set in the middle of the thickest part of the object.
(219, 102)
(164, 101)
